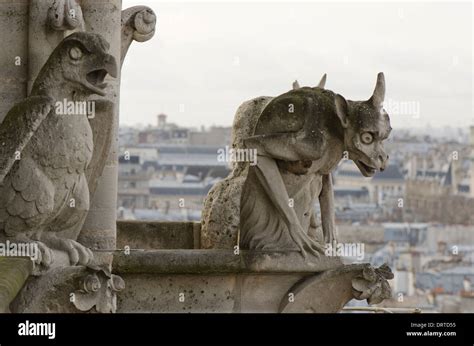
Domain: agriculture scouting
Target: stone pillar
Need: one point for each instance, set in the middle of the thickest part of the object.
(99, 231)
(14, 57)
(120, 29)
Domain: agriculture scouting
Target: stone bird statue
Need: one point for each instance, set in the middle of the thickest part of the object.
(45, 150)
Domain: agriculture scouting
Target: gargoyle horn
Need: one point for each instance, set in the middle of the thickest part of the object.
(379, 91)
(322, 82)
(296, 85)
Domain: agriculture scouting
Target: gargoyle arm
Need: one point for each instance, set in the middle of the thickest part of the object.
(326, 203)
(273, 184)
(18, 127)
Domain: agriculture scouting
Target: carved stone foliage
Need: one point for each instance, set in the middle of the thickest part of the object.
(98, 291)
(65, 15)
(372, 284)
(138, 24)
(70, 290)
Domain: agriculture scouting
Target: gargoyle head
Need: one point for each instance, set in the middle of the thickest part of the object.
(366, 125)
(83, 61)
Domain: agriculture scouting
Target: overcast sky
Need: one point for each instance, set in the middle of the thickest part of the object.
(206, 58)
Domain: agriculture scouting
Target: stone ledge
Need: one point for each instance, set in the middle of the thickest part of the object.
(149, 235)
(218, 262)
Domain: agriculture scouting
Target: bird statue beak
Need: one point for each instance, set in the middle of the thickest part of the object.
(111, 66)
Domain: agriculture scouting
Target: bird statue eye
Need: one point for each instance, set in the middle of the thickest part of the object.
(75, 53)
(367, 138)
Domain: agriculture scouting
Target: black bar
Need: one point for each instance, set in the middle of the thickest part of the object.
(262, 329)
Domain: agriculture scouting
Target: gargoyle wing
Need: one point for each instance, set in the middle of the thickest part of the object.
(18, 127)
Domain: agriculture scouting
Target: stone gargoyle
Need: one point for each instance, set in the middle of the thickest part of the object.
(45, 154)
(299, 138)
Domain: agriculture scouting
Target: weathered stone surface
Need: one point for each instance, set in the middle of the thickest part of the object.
(177, 261)
(14, 57)
(162, 293)
(287, 262)
(218, 261)
(262, 293)
(13, 274)
(157, 235)
(221, 213)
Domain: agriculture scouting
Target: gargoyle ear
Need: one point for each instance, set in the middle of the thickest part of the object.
(296, 85)
(342, 109)
(322, 82)
(379, 92)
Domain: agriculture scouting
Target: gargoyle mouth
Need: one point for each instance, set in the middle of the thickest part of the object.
(365, 169)
(95, 79)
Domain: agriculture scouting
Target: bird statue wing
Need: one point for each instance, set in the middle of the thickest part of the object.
(18, 127)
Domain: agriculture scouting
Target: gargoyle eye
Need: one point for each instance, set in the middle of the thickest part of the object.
(367, 138)
(75, 53)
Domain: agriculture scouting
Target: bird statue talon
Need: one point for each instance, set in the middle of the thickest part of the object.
(45, 255)
(78, 253)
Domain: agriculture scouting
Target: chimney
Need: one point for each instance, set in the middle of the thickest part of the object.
(454, 180)
(413, 167)
(161, 120)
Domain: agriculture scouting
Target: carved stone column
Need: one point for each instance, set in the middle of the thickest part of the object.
(119, 28)
(99, 231)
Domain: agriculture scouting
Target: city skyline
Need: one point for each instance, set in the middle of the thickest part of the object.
(200, 69)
